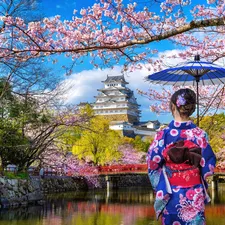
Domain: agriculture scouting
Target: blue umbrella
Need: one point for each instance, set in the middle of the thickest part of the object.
(191, 73)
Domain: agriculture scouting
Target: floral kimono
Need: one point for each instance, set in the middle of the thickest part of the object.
(179, 161)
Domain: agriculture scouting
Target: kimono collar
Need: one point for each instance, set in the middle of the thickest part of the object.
(181, 125)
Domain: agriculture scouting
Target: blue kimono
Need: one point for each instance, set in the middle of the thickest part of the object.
(181, 192)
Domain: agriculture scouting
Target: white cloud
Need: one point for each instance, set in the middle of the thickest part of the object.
(82, 87)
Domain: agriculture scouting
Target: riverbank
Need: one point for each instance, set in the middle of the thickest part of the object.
(22, 192)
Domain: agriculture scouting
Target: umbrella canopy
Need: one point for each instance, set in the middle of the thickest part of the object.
(191, 73)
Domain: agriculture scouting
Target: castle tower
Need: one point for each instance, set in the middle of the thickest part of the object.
(117, 102)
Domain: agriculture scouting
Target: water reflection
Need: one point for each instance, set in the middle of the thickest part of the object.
(122, 207)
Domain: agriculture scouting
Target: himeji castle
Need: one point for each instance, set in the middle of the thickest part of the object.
(116, 101)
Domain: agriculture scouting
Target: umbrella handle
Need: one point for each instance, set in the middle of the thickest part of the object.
(197, 81)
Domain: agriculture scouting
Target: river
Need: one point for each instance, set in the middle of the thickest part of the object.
(132, 206)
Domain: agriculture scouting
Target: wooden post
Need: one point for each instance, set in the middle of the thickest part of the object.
(215, 182)
(109, 183)
(214, 185)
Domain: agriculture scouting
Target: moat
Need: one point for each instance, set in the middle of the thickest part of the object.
(132, 206)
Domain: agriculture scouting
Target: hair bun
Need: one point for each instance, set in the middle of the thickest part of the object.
(186, 109)
(185, 101)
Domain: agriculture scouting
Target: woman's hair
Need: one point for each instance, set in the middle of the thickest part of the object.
(185, 101)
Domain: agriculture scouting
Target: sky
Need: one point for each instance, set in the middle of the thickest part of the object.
(85, 80)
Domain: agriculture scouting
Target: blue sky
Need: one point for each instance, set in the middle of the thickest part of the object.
(85, 80)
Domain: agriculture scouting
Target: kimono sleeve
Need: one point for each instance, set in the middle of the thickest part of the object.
(155, 159)
(208, 160)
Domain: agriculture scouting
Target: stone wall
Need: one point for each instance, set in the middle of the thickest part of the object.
(17, 192)
(122, 180)
(63, 184)
(121, 117)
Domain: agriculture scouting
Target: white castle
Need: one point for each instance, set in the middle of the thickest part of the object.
(117, 102)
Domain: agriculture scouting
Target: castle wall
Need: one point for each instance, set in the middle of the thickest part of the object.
(121, 117)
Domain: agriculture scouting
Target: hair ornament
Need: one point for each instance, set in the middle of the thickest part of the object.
(180, 100)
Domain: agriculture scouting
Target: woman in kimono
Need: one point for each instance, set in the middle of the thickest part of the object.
(179, 161)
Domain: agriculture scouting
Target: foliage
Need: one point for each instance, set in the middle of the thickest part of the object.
(211, 98)
(12, 144)
(87, 110)
(113, 31)
(67, 163)
(129, 155)
(137, 143)
(73, 133)
(98, 143)
(221, 159)
(12, 175)
(66, 140)
(141, 145)
(116, 32)
(27, 129)
(214, 126)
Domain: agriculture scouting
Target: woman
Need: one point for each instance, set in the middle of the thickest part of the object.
(179, 160)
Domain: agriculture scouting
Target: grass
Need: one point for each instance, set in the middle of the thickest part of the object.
(17, 175)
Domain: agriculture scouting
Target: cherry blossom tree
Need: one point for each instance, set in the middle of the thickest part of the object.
(67, 164)
(221, 159)
(129, 155)
(211, 98)
(113, 31)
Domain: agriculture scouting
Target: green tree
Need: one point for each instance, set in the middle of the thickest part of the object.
(214, 126)
(27, 128)
(12, 144)
(98, 143)
(141, 145)
(138, 143)
(19, 115)
(72, 134)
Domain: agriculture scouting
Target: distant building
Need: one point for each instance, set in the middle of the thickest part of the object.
(151, 124)
(142, 129)
(116, 101)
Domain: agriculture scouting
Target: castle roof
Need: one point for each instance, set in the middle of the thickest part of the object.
(115, 78)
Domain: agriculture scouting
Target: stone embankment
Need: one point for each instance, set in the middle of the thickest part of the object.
(17, 192)
(55, 184)
(21, 192)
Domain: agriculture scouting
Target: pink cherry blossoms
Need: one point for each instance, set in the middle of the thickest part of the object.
(113, 31)
(131, 155)
(211, 97)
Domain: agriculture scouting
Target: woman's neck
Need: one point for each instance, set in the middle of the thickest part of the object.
(180, 119)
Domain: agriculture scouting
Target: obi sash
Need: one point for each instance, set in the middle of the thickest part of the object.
(182, 163)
